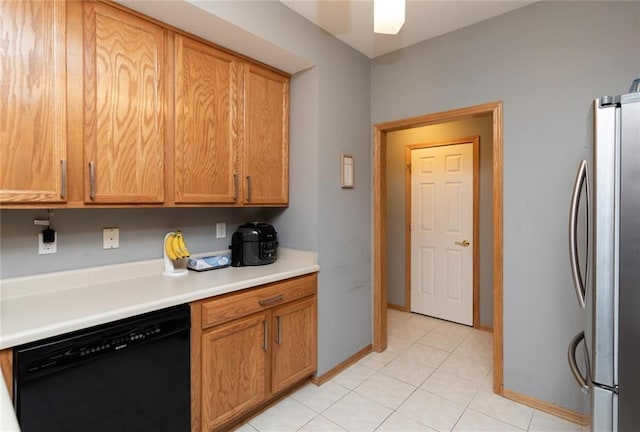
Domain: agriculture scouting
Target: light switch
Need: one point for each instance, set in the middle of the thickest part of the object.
(221, 230)
(111, 238)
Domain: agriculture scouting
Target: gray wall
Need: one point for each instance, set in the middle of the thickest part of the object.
(396, 203)
(304, 154)
(79, 235)
(330, 114)
(546, 62)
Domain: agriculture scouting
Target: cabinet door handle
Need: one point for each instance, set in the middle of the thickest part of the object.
(63, 178)
(271, 300)
(235, 187)
(278, 330)
(265, 341)
(248, 188)
(92, 180)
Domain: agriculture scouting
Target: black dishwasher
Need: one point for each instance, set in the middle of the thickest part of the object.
(126, 376)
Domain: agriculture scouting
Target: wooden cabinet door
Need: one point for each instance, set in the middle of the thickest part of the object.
(234, 361)
(295, 343)
(32, 101)
(124, 107)
(266, 137)
(206, 141)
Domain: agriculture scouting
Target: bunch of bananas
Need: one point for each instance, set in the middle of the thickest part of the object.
(175, 246)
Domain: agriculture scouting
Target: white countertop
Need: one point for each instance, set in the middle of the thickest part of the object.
(37, 307)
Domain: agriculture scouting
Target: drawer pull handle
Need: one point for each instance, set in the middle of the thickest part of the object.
(272, 300)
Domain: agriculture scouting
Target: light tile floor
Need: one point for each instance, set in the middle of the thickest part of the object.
(434, 376)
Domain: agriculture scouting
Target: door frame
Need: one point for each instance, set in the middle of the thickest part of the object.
(380, 131)
(475, 143)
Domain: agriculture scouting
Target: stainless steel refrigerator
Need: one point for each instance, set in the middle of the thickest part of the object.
(604, 246)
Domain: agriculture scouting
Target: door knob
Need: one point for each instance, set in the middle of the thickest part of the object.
(463, 243)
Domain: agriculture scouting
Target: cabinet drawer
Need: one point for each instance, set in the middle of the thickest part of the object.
(235, 305)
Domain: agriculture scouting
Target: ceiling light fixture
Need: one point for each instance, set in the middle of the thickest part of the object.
(388, 16)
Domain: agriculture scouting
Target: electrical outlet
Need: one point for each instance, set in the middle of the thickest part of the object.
(221, 230)
(47, 248)
(110, 238)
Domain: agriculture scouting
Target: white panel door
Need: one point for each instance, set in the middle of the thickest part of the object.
(442, 231)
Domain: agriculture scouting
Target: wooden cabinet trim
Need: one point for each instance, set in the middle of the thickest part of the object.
(6, 364)
(196, 367)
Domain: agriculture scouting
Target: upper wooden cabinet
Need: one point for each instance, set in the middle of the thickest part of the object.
(231, 129)
(102, 106)
(33, 121)
(124, 107)
(266, 137)
(206, 124)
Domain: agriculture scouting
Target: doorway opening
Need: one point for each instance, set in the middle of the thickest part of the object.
(380, 131)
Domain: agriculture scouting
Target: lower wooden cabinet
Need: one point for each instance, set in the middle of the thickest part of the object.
(250, 346)
(294, 346)
(234, 363)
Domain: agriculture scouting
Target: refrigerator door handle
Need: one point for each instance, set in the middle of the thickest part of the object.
(573, 364)
(578, 281)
